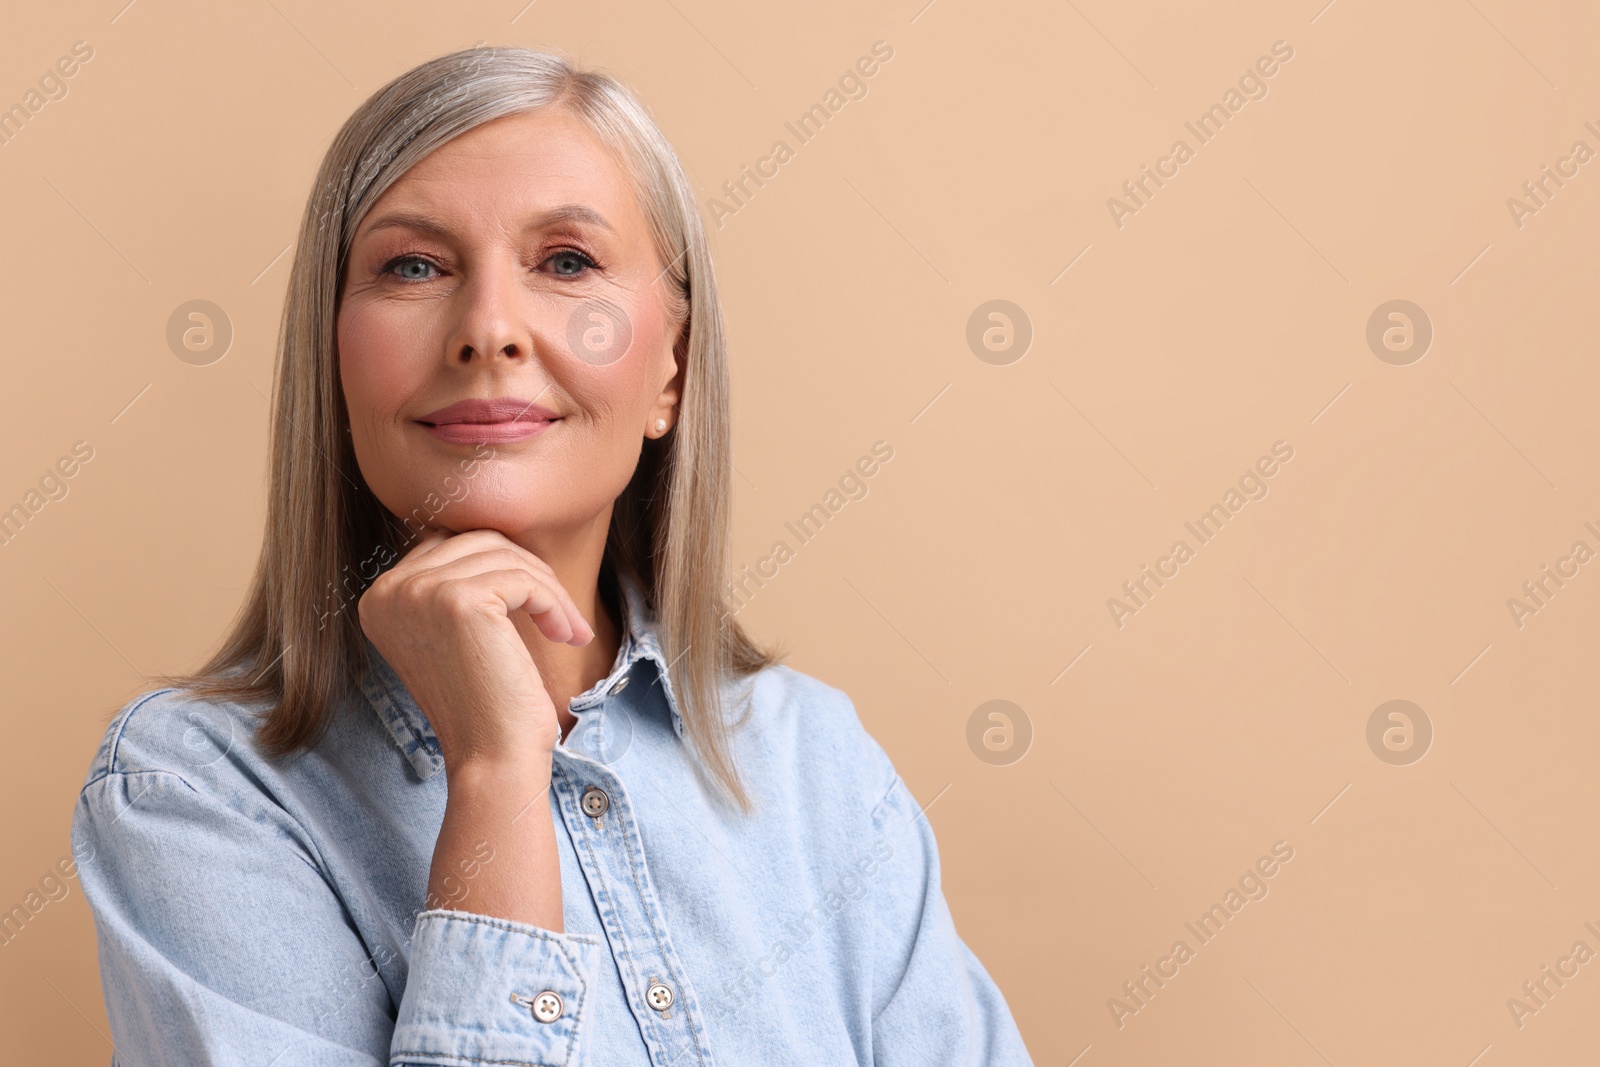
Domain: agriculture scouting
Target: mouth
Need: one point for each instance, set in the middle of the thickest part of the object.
(493, 433)
(499, 421)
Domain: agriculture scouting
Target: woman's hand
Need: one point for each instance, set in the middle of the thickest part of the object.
(441, 617)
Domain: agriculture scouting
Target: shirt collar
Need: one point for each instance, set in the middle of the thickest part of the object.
(414, 736)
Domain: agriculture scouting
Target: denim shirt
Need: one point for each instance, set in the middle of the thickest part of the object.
(266, 912)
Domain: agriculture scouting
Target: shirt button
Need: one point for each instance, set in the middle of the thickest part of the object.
(621, 684)
(595, 802)
(546, 1007)
(659, 996)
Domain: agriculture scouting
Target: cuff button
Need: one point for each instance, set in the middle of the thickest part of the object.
(546, 1007)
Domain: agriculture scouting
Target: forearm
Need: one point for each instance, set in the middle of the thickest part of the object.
(506, 807)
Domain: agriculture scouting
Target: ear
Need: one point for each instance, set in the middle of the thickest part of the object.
(674, 360)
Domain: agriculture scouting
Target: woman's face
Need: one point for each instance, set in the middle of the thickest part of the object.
(504, 299)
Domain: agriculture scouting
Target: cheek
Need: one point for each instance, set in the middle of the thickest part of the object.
(376, 368)
(616, 394)
(650, 359)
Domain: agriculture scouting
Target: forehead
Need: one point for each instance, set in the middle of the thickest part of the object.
(515, 166)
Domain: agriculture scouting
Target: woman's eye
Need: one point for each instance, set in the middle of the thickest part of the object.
(406, 266)
(569, 262)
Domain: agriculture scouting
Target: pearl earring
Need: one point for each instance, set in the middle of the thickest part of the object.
(661, 426)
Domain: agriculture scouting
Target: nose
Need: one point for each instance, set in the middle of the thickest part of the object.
(493, 320)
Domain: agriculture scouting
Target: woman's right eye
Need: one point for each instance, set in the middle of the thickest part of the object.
(401, 264)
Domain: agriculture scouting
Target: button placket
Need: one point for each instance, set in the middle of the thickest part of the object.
(614, 863)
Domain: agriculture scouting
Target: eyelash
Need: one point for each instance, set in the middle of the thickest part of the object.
(588, 260)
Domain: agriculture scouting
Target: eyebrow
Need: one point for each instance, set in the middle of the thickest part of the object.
(542, 221)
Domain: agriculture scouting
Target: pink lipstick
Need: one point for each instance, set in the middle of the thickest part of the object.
(499, 421)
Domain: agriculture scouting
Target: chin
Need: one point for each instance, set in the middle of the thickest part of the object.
(461, 516)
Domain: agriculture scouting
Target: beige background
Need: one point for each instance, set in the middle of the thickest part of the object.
(1227, 314)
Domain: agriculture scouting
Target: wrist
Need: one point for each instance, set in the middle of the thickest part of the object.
(498, 777)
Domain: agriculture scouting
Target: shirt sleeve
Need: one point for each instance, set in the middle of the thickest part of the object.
(222, 942)
(934, 1005)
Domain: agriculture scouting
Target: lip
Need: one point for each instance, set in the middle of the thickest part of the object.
(501, 420)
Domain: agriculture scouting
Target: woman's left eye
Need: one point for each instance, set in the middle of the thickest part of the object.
(569, 262)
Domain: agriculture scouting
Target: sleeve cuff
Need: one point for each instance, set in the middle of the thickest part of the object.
(479, 991)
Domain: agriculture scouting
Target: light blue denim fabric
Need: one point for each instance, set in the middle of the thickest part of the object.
(265, 913)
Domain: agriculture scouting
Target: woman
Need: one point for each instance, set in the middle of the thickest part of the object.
(465, 783)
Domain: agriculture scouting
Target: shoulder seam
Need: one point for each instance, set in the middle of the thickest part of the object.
(122, 725)
(157, 771)
(249, 806)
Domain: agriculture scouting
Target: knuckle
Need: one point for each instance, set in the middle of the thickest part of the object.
(372, 600)
(452, 601)
(511, 560)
